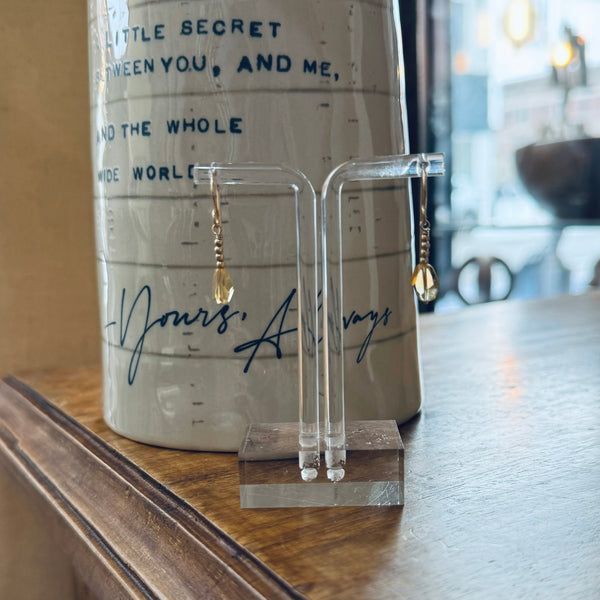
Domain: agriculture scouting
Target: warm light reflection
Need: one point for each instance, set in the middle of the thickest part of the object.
(519, 21)
(562, 54)
(511, 378)
(461, 63)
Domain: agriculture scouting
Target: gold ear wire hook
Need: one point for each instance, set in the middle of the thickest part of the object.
(216, 198)
(424, 225)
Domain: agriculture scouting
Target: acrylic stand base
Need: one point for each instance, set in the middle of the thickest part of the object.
(270, 476)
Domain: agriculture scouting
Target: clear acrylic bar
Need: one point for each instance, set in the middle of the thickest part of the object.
(304, 197)
(369, 169)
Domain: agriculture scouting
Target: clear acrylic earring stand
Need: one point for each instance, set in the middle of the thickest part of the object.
(381, 434)
(305, 436)
(279, 462)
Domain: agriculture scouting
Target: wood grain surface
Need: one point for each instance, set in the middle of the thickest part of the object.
(502, 480)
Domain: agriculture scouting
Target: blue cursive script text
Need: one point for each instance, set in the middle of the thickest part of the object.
(142, 303)
(220, 320)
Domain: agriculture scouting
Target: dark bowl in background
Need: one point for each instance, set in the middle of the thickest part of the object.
(564, 177)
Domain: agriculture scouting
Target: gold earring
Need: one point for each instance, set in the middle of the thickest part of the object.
(222, 287)
(424, 278)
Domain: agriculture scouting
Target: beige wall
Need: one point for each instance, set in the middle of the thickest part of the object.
(48, 305)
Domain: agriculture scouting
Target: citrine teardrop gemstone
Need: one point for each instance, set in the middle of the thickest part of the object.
(222, 286)
(425, 282)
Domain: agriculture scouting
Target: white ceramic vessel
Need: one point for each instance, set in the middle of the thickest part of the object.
(306, 83)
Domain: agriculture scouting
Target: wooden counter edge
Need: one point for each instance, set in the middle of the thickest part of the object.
(151, 542)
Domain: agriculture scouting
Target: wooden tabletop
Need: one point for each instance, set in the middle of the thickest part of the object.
(502, 481)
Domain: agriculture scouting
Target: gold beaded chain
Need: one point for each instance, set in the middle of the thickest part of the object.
(222, 285)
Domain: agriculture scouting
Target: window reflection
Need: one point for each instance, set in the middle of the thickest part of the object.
(525, 81)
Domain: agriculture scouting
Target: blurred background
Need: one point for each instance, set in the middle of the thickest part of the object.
(510, 90)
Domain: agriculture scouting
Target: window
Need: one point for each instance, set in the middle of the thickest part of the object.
(519, 91)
